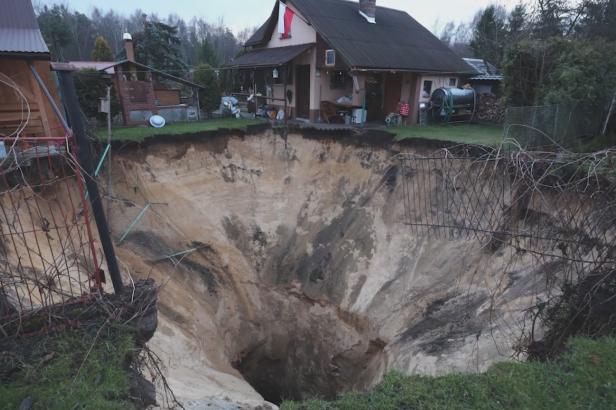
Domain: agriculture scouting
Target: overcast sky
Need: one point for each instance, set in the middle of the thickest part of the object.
(239, 14)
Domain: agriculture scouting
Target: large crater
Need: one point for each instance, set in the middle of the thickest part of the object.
(301, 278)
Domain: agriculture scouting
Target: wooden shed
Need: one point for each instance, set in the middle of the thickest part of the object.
(28, 96)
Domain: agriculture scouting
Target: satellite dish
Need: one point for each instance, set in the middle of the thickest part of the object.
(157, 121)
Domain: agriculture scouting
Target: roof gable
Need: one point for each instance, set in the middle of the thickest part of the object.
(19, 29)
(395, 42)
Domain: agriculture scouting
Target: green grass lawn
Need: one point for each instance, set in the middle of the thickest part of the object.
(584, 378)
(140, 133)
(459, 133)
(70, 370)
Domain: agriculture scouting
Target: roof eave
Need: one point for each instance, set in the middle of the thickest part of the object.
(28, 55)
(409, 70)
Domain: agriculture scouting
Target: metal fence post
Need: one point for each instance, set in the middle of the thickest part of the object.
(85, 160)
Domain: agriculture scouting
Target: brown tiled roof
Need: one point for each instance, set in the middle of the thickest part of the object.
(269, 57)
(19, 30)
(396, 42)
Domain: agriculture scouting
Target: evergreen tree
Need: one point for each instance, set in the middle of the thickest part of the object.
(207, 53)
(101, 50)
(158, 45)
(209, 99)
(516, 23)
(489, 34)
(550, 17)
(91, 86)
(55, 29)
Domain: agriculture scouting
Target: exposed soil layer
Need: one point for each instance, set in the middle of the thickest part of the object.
(299, 278)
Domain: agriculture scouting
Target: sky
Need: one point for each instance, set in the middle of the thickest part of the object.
(240, 14)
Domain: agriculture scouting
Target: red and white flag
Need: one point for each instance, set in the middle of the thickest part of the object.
(285, 18)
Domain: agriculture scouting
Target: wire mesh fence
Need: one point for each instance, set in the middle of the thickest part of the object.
(560, 126)
(554, 207)
(47, 251)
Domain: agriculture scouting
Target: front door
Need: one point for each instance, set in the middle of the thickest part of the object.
(302, 91)
(393, 93)
(374, 97)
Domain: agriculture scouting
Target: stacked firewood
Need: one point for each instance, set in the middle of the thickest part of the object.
(490, 108)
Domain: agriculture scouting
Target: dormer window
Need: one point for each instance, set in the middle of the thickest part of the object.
(330, 58)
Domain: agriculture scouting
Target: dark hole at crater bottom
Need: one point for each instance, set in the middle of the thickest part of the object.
(308, 372)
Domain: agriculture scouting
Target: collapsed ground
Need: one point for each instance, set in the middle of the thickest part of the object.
(287, 269)
(296, 275)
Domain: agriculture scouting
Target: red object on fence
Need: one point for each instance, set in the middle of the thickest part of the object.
(47, 248)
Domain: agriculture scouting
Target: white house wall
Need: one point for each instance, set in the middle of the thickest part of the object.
(328, 94)
(301, 33)
(440, 81)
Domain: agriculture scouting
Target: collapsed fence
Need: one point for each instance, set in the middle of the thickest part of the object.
(47, 249)
(553, 211)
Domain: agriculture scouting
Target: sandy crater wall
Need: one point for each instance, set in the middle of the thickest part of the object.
(304, 277)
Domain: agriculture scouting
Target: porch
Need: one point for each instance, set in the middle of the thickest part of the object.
(298, 82)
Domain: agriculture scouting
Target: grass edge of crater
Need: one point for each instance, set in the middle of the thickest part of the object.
(483, 134)
(584, 376)
(75, 369)
(141, 133)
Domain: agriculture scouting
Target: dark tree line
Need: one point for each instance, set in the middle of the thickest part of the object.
(166, 43)
(550, 51)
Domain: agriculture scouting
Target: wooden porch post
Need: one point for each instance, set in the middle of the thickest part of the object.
(42, 108)
(286, 82)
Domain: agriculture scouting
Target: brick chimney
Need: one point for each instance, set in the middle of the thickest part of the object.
(367, 8)
(128, 47)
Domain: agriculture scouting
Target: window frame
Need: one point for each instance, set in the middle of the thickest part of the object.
(332, 52)
(423, 88)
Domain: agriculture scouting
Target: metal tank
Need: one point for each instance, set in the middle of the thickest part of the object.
(453, 104)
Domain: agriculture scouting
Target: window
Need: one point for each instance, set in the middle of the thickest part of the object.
(453, 82)
(283, 71)
(330, 58)
(338, 80)
(427, 88)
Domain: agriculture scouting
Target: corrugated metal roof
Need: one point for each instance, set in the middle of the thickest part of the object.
(107, 66)
(395, 42)
(487, 77)
(486, 70)
(143, 66)
(269, 57)
(19, 30)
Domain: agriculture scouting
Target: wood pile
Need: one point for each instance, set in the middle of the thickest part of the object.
(490, 108)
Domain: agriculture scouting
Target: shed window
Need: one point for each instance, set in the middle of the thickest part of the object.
(453, 82)
(330, 57)
(427, 88)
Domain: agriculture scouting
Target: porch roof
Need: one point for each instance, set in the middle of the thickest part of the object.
(269, 57)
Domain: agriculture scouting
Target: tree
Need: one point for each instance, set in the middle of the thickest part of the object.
(448, 33)
(516, 23)
(550, 17)
(91, 86)
(209, 99)
(158, 46)
(55, 29)
(207, 53)
(101, 50)
(489, 34)
(598, 19)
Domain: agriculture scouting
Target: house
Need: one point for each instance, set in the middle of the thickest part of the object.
(144, 91)
(486, 77)
(28, 96)
(312, 55)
